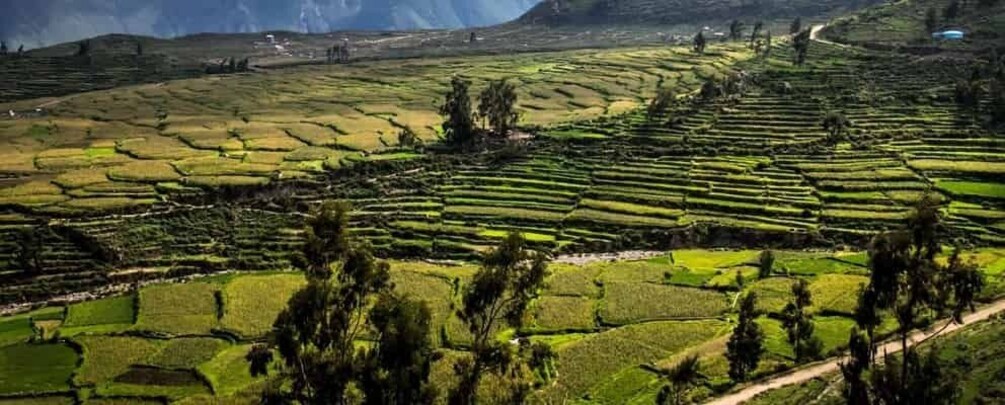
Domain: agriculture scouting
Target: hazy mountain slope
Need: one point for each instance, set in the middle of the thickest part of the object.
(44, 22)
(680, 11)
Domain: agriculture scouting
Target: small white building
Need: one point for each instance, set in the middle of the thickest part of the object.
(270, 38)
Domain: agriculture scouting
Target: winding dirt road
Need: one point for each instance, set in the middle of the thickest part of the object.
(829, 366)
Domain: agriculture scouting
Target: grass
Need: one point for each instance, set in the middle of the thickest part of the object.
(837, 293)
(17, 328)
(251, 304)
(589, 361)
(106, 357)
(180, 309)
(994, 191)
(635, 302)
(187, 353)
(26, 368)
(563, 313)
(772, 293)
(109, 311)
(228, 371)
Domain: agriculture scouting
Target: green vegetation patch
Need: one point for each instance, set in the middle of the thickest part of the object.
(589, 361)
(564, 313)
(187, 353)
(973, 189)
(228, 372)
(26, 368)
(837, 293)
(181, 309)
(251, 304)
(117, 310)
(105, 357)
(772, 293)
(634, 302)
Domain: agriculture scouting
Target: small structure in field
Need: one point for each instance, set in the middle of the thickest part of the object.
(949, 35)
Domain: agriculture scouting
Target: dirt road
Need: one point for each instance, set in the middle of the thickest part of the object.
(819, 369)
(815, 36)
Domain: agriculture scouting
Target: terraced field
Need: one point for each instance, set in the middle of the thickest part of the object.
(613, 325)
(125, 148)
(216, 178)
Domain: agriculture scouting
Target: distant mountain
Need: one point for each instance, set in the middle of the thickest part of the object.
(37, 23)
(558, 12)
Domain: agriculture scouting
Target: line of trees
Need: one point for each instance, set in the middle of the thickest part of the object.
(350, 295)
(229, 65)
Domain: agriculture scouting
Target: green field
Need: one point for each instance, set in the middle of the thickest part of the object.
(605, 319)
(36, 369)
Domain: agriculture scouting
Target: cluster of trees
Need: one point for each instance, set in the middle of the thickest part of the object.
(837, 126)
(496, 110)
(4, 51)
(350, 294)
(338, 53)
(801, 46)
(229, 65)
(950, 14)
(910, 284)
(984, 83)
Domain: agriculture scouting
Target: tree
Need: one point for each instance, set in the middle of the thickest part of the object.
(931, 21)
(496, 104)
(856, 389)
(3, 48)
(498, 296)
(316, 335)
(801, 44)
(84, 48)
(29, 250)
(765, 264)
(767, 45)
(925, 380)
(836, 125)
(407, 138)
(326, 239)
(746, 345)
(968, 93)
(997, 105)
(756, 33)
(682, 377)
(139, 48)
(867, 317)
(796, 26)
(799, 324)
(699, 43)
(736, 30)
(952, 11)
(396, 370)
(659, 105)
(459, 126)
(907, 280)
(473, 37)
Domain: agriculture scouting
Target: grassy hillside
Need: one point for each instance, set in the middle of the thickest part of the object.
(902, 23)
(690, 12)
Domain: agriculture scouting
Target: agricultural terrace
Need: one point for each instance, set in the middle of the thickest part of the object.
(752, 169)
(130, 147)
(613, 324)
